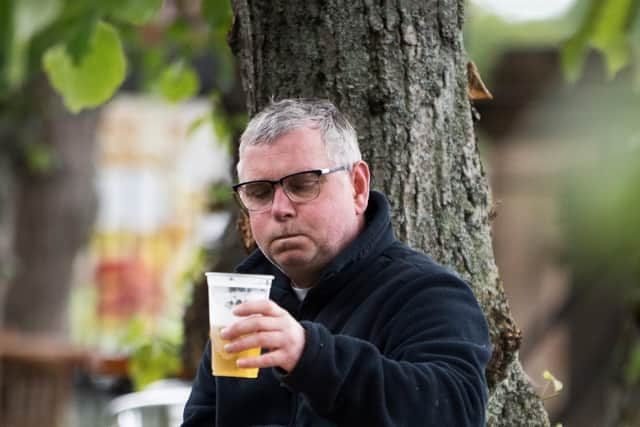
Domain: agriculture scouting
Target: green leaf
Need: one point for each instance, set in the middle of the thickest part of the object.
(617, 55)
(636, 74)
(74, 27)
(220, 194)
(133, 11)
(38, 158)
(607, 26)
(152, 65)
(96, 78)
(179, 31)
(79, 39)
(179, 82)
(153, 361)
(609, 33)
(573, 56)
(575, 49)
(197, 123)
(134, 333)
(218, 14)
(25, 19)
(612, 22)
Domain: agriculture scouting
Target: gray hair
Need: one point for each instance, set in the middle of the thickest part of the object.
(278, 118)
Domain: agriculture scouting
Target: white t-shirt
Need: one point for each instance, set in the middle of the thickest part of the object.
(301, 293)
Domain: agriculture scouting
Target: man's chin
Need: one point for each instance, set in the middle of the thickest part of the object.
(291, 260)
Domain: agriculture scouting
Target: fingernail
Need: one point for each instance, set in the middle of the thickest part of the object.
(223, 332)
(228, 348)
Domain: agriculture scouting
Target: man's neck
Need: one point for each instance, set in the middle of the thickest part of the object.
(301, 282)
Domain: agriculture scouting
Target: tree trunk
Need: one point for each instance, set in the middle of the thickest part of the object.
(398, 69)
(54, 212)
(46, 217)
(6, 227)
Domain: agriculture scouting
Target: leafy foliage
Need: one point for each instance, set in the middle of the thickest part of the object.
(178, 82)
(81, 45)
(487, 36)
(217, 13)
(153, 361)
(104, 57)
(154, 354)
(87, 49)
(553, 383)
(612, 27)
(155, 349)
(38, 158)
(136, 12)
(69, 34)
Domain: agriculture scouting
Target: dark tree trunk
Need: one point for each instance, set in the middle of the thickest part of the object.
(45, 217)
(398, 69)
(54, 212)
(6, 226)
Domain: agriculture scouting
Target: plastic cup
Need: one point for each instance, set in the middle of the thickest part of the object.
(226, 291)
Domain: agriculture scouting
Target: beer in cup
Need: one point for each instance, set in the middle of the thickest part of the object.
(226, 291)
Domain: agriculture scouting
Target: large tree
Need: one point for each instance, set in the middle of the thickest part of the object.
(46, 210)
(399, 70)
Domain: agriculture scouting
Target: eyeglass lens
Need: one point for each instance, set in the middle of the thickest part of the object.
(299, 188)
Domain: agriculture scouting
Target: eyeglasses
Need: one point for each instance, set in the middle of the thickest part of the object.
(299, 187)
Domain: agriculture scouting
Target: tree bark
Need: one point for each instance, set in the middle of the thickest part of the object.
(398, 70)
(54, 211)
(6, 227)
(45, 216)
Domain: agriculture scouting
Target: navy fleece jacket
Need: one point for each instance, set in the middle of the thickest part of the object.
(393, 339)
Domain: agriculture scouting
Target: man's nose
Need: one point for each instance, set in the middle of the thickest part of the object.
(281, 207)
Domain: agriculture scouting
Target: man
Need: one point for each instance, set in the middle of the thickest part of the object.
(360, 330)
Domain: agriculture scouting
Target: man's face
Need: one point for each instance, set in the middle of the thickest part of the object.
(302, 238)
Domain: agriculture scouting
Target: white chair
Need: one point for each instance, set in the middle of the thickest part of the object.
(159, 405)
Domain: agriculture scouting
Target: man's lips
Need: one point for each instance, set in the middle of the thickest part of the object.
(287, 240)
(286, 236)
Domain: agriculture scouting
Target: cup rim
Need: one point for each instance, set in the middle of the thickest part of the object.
(240, 276)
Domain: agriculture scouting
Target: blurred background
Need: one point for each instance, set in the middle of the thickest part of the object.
(109, 215)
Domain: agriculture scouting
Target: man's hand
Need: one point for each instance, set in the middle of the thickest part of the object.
(268, 326)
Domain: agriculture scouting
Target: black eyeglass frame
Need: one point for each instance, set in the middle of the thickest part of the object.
(318, 172)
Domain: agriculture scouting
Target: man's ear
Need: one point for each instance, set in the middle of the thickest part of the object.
(360, 180)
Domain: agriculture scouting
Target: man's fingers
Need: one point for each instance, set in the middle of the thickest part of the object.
(251, 325)
(266, 360)
(261, 339)
(267, 325)
(264, 307)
